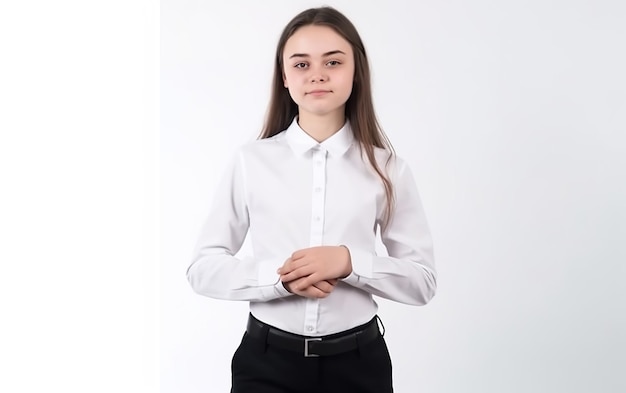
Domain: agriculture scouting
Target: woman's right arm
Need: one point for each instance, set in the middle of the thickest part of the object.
(215, 271)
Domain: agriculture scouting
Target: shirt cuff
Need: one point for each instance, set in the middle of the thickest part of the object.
(281, 291)
(362, 265)
(269, 281)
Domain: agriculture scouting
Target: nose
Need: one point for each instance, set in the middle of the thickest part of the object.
(318, 75)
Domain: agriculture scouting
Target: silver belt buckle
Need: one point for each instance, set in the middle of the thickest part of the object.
(306, 347)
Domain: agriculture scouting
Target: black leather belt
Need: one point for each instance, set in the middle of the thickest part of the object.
(333, 344)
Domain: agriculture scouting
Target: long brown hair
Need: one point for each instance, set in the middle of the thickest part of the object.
(359, 107)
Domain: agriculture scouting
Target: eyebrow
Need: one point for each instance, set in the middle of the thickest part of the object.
(332, 52)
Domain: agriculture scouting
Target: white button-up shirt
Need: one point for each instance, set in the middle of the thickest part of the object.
(289, 192)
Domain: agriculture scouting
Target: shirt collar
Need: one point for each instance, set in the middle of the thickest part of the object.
(301, 142)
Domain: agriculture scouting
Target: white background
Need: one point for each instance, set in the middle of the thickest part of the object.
(79, 289)
(511, 113)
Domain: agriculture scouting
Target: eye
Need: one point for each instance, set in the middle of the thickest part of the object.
(300, 65)
(333, 63)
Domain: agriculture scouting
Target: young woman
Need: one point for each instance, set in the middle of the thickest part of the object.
(312, 193)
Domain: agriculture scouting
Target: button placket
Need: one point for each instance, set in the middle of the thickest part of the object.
(318, 201)
(318, 197)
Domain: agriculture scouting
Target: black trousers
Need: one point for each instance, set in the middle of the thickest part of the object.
(261, 368)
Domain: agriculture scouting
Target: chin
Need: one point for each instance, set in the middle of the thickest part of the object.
(322, 110)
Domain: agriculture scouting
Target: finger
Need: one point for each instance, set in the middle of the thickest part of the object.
(300, 253)
(314, 293)
(324, 286)
(291, 265)
(303, 283)
(298, 273)
(310, 280)
(308, 292)
(296, 284)
(286, 267)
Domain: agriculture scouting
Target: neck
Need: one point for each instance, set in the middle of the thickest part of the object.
(321, 127)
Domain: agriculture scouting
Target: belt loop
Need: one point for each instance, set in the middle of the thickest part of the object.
(379, 322)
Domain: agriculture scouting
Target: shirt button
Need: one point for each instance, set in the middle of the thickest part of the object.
(318, 218)
(309, 328)
(318, 189)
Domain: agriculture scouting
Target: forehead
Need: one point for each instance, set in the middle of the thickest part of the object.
(316, 40)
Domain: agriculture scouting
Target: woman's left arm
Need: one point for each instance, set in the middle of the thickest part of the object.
(407, 274)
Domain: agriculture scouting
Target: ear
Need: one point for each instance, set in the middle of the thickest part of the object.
(285, 80)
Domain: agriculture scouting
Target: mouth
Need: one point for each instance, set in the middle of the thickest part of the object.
(317, 93)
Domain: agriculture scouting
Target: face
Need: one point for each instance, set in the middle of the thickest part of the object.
(318, 70)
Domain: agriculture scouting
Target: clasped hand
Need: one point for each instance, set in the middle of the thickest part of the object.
(314, 272)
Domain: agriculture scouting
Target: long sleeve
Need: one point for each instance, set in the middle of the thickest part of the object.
(407, 274)
(215, 271)
(291, 192)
